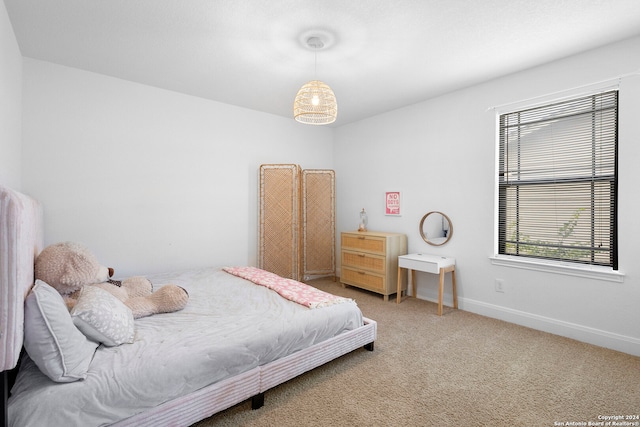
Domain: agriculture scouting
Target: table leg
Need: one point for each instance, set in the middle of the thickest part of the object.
(441, 292)
(413, 284)
(453, 282)
(399, 295)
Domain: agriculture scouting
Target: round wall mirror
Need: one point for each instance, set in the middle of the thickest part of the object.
(436, 228)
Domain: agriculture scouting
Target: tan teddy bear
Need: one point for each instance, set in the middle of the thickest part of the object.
(69, 266)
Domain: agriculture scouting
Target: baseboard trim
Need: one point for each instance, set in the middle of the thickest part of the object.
(625, 344)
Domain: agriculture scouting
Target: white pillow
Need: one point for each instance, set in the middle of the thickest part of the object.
(52, 341)
(102, 317)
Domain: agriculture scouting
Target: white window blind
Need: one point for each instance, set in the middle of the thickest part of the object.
(558, 180)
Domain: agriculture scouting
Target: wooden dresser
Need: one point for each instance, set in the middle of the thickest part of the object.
(369, 260)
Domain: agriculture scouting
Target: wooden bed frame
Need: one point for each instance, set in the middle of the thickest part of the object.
(21, 239)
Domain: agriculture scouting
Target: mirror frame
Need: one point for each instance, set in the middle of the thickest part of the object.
(424, 237)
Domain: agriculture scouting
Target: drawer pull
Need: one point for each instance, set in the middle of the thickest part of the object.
(361, 237)
(361, 255)
(361, 272)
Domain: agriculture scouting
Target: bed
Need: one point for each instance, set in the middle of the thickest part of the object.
(234, 341)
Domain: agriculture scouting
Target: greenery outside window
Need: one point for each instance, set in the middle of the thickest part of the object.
(558, 180)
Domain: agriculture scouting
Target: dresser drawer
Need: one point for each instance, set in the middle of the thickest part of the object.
(358, 242)
(369, 260)
(364, 261)
(363, 279)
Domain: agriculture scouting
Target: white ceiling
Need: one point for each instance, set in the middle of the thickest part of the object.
(381, 54)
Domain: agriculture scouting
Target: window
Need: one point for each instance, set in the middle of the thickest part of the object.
(558, 179)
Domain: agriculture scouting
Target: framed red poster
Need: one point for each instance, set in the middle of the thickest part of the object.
(392, 203)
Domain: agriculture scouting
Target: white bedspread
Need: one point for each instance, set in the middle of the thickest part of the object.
(228, 327)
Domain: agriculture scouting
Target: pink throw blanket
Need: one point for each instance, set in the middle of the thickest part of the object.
(290, 289)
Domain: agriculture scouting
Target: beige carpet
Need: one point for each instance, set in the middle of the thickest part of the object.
(460, 369)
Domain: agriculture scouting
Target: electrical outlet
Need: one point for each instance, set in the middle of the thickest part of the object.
(499, 283)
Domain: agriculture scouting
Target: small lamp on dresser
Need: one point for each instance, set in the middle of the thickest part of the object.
(363, 221)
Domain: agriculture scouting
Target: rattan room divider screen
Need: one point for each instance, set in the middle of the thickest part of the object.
(318, 222)
(297, 221)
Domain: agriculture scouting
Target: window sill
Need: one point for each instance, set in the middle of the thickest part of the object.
(587, 271)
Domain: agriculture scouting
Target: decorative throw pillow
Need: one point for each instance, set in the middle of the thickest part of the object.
(102, 317)
(51, 339)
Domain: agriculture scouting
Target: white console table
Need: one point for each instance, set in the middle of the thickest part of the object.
(428, 264)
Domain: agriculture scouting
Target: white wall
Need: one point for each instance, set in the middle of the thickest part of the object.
(441, 155)
(151, 180)
(10, 104)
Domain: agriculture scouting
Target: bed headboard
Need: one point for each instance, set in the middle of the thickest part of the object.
(21, 240)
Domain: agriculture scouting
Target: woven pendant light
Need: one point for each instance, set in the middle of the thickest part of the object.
(315, 103)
